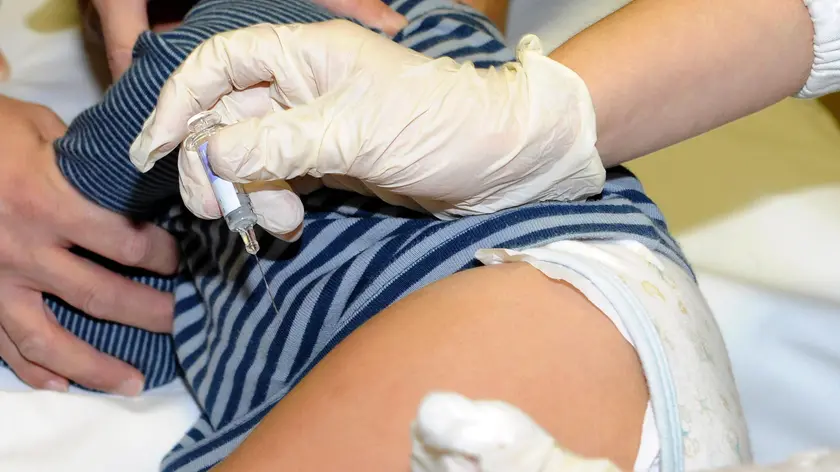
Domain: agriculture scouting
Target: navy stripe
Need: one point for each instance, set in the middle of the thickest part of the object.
(357, 255)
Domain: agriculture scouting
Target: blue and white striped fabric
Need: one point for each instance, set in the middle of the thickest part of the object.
(356, 257)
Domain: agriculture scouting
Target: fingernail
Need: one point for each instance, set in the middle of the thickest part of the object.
(166, 148)
(130, 388)
(159, 152)
(56, 386)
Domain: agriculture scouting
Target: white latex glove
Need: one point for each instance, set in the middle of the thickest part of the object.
(454, 434)
(344, 101)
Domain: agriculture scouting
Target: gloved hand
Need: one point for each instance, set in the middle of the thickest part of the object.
(345, 102)
(455, 434)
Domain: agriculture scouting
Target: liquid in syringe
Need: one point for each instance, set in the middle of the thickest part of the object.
(234, 202)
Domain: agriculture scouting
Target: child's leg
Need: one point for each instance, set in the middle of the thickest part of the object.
(502, 332)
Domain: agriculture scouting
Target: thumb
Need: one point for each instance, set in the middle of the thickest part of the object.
(280, 146)
(122, 22)
(373, 13)
(279, 210)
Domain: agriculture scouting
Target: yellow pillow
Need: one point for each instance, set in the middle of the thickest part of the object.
(788, 147)
(758, 200)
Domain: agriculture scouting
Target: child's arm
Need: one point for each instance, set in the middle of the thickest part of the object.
(662, 72)
(93, 154)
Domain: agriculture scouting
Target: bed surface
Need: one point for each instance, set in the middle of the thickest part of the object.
(765, 250)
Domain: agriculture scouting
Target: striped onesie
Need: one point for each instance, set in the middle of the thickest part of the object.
(357, 255)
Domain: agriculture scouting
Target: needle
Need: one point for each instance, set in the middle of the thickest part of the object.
(267, 288)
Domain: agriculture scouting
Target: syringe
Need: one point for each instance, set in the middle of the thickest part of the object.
(234, 202)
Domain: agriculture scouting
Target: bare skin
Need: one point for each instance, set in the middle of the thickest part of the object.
(41, 217)
(4, 68)
(496, 10)
(662, 72)
(503, 332)
(122, 21)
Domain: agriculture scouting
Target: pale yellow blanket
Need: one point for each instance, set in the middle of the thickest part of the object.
(758, 199)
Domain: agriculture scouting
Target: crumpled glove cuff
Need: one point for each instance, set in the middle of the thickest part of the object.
(578, 168)
(825, 72)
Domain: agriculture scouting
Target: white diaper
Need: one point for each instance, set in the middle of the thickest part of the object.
(693, 420)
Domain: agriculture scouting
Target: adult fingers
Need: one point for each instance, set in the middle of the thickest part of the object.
(373, 13)
(122, 22)
(280, 213)
(229, 61)
(83, 223)
(101, 293)
(279, 210)
(279, 146)
(164, 27)
(32, 374)
(195, 188)
(141, 245)
(42, 341)
(250, 102)
(194, 185)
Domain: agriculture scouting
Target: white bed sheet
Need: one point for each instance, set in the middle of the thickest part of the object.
(786, 360)
(83, 432)
(784, 349)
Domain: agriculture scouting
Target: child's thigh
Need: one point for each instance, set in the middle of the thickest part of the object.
(504, 332)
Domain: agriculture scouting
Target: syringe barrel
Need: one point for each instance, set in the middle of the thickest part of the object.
(233, 201)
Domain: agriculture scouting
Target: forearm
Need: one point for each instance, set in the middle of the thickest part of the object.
(92, 156)
(660, 72)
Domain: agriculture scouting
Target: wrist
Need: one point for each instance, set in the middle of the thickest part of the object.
(605, 95)
(563, 129)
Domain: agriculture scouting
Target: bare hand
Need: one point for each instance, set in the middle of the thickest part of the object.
(373, 13)
(41, 218)
(123, 20)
